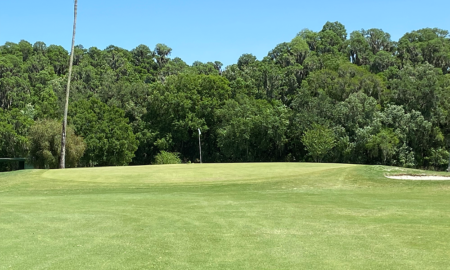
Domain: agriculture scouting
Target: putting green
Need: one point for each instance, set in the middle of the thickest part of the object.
(192, 173)
(223, 216)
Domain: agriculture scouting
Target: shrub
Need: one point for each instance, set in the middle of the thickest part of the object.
(318, 140)
(45, 145)
(167, 158)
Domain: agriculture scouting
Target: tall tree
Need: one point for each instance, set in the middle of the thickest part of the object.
(62, 163)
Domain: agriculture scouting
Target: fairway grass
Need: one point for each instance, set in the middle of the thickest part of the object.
(223, 216)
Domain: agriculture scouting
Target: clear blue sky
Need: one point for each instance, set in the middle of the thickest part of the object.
(207, 30)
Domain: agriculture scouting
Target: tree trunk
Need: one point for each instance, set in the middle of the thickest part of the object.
(62, 163)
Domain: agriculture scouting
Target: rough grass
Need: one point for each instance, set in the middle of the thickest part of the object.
(223, 216)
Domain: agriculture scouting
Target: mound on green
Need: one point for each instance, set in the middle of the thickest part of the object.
(223, 216)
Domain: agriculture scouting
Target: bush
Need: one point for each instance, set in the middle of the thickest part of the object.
(319, 140)
(167, 158)
(45, 145)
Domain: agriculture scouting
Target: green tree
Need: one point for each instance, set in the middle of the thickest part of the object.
(252, 130)
(337, 28)
(416, 88)
(109, 137)
(15, 92)
(246, 60)
(318, 141)
(173, 67)
(431, 45)
(204, 68)
(378, 40)
(162, 52)
(359, 50)
(14, 128)
(45, 145)
(346, 80)
(58, 57)
(386, 141)
(382, 61)
(438, 158)
(181, 105)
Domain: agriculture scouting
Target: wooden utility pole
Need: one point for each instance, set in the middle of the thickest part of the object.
(62, 163)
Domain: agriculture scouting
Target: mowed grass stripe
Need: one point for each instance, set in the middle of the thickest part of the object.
(316, 216)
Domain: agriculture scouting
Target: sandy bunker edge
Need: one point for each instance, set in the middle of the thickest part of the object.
(418, 177)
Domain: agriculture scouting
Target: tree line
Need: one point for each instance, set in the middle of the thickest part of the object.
(323, 96)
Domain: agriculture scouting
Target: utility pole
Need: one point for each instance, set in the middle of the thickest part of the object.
(62, 161)
(200, 144)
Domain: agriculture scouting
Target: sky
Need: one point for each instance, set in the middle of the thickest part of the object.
(200, 30)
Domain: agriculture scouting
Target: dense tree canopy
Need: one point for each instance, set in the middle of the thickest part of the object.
(330, 96)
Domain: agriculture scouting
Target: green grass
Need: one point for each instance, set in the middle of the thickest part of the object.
(223, 216)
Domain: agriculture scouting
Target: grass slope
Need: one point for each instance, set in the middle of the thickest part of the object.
(223, 216)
